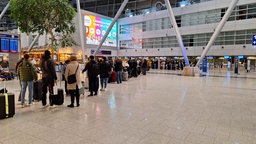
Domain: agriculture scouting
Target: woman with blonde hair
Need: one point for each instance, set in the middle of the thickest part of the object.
(73, 88)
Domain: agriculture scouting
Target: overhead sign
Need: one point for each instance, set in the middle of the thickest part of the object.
(254, 40)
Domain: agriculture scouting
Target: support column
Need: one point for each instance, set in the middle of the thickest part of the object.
(33, 42)
(111, 25)
(218, 30)
(5, 9)
(178, 36)
(81, 31)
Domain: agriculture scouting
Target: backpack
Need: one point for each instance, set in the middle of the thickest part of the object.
(95, 69)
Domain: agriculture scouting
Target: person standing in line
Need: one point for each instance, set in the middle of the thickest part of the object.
(63, 75)
(92, 76)
(49, 76)
(118, 69)
(105, 71)
(18, 76)
(27, 73)
(73, 68)
(144, 67)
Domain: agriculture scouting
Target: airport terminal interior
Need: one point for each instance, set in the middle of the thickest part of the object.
(180, 97)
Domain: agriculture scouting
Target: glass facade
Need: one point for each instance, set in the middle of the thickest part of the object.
(241, 12)
(134, 7)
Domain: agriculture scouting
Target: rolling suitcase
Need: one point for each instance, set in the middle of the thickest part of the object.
(57, 99)
(125, 76)
(113, 76)
(38, 90)
(7, 105)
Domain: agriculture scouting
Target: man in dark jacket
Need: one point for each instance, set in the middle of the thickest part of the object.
(27, 73)
(92, 76)
(105, 71)
(49, 76)
(118, 69)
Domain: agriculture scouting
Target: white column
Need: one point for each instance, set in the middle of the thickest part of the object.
(33, 42)
(218, 30)
(5, 9)
(178, 36)
(111, 25)
(81, 31)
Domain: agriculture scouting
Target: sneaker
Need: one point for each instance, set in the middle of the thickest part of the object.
(102, 89)
(30, 103)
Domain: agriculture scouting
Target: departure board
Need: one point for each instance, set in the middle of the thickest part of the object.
(9, 43)
(5, 45)
(14, 45)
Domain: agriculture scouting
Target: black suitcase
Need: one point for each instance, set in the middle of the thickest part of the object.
(7, 109)
(38, 90)
(57, 99)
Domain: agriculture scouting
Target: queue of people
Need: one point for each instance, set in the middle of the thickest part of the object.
(100, 72)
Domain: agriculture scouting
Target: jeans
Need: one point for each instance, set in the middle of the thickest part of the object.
(30, 86)
(104, 82)
(119, 76)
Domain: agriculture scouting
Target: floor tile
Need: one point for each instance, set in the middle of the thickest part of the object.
(159, 108)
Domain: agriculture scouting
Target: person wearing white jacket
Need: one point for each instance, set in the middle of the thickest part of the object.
(73, 68)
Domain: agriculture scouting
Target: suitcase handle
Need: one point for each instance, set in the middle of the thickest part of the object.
(6, 105)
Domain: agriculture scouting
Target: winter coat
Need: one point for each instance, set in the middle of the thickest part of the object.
(71, 69)
(48, 70)
(105, 69)
(88, 68)
(118, 65)
(27, 71)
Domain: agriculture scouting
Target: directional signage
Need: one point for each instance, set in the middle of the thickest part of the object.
(254, 40)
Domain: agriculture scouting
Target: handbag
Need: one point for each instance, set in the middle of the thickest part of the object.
(72, 78)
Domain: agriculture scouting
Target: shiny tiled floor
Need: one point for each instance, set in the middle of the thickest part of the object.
(152, 109)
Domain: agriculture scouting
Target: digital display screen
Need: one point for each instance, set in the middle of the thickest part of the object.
(5, 45)
(101, 52)
(13, 45)
(96, 27)
(9, 43)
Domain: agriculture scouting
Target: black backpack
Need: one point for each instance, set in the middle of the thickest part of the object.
(95, 69)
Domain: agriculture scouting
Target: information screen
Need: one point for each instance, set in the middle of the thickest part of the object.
(9, 43)
(96, 27)
(5, 45)
(13, 45)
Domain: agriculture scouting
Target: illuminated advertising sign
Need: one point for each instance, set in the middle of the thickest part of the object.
(96, 27)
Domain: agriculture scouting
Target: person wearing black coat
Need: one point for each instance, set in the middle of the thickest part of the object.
(92, 77)
(49, 76)
(144, 67)
(105, 70)
(118, 69)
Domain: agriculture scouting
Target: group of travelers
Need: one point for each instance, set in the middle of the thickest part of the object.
(97, 70)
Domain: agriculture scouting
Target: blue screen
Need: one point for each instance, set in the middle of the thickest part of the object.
(13, 45)
(4, 45)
